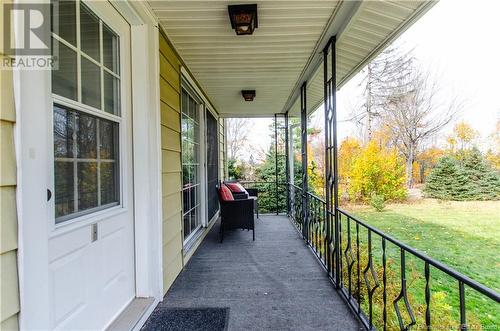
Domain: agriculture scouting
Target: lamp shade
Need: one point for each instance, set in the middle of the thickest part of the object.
(248, 95)
(243, 18)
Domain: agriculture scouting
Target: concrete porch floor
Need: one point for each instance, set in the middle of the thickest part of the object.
(272, 283)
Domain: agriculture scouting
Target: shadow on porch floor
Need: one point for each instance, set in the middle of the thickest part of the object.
(272, 283)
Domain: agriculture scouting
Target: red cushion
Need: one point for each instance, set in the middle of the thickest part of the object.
(225, 193)
(236, 187)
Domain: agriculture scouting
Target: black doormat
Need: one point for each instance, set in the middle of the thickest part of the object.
(187, 319)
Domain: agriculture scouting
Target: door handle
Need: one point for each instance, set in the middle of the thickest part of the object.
(49, 195)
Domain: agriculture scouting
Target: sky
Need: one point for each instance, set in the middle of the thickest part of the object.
(458, 42)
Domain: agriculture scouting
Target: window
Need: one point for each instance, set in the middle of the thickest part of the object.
(85, 150)
(191, 170)
(86, 125)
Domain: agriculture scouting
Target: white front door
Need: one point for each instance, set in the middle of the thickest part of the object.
(91, 237)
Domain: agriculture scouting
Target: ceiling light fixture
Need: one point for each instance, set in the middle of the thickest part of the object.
(243, 18)
(248, 95)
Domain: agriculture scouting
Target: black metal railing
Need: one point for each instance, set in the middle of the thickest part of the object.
(386, 283)
(272, 195)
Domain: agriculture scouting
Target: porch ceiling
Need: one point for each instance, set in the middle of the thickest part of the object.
(283, 51)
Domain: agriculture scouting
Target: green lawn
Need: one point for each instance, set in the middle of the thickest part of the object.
(464, 235)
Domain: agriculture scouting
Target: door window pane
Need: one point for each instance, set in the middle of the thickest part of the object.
(87, 185)
(91, 84)
(89, 33)
(63, 133)
(64, 78)
(187, 228)
(64, 188)
(108, 140)
(110, 48)
(194, 219)
(86, 136)
(109, 191)
(111, 94)
(64, 20)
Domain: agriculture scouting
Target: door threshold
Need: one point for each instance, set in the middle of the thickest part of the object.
(131, 315)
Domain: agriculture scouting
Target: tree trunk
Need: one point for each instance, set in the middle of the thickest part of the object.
(409, 166)
(422, 172)
(369, 106)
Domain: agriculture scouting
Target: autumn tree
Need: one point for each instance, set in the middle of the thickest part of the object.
(493, 153)
(463, 137)
(425, 161)
(348, 152)
(376, 170)
(414, 113)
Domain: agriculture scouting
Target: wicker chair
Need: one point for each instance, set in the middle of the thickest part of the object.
(235, 214)
(247, 193)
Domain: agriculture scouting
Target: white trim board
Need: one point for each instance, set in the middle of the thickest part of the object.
(147, 161)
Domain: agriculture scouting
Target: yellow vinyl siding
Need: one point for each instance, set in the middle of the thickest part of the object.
(170, 139)
(171, 163)
(174, 256)
(169, 95)
(170, 167)
(170, 117)
(9, 283)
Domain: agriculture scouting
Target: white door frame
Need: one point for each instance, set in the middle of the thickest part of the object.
(147, 161)
(32, 91)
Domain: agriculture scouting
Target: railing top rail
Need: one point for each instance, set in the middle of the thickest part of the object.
(295, 186)
(316, 197)
(308, 193)
(457, 275)
(260, 182)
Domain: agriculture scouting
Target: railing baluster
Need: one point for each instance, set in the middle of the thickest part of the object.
(463, 320)
(331, 248)
(335, 262)
(370, 268)
(427, 297)
(358, 268)
(384, 280)
(315, 227)
(324, 239)
(340, 252)
(346, 255)
(403, 295)
(317, 238)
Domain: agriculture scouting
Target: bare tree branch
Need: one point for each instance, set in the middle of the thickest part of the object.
(415, 113)
(237, 136)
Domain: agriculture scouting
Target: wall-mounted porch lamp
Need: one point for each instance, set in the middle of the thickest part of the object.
(248, 95)
(243, 18)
